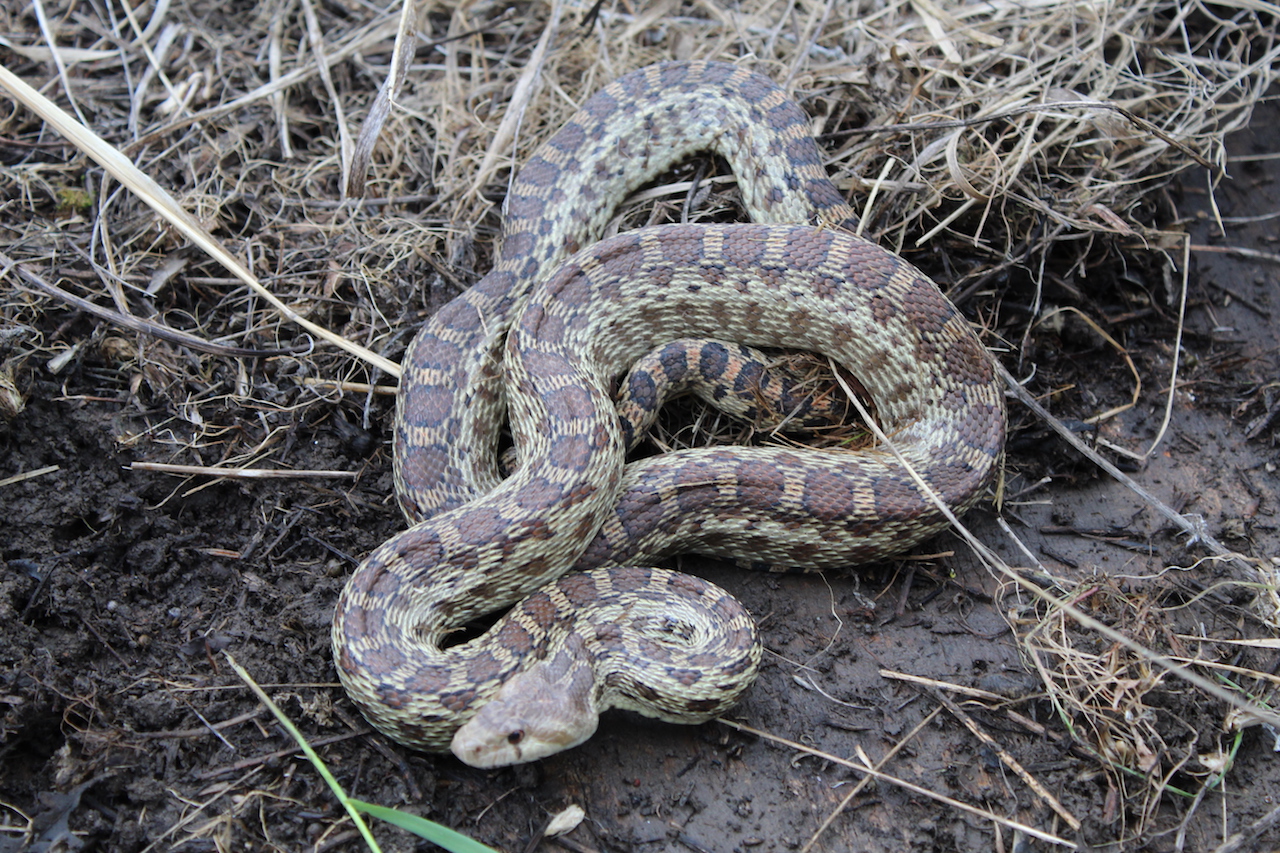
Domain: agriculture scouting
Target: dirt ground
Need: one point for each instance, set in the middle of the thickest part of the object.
(122, 727)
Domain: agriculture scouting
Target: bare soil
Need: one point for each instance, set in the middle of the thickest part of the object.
(122, 727)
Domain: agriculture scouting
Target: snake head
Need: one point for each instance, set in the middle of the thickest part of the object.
(546, 708)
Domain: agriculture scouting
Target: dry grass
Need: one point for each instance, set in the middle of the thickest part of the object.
(1132, 716)
(984, 139)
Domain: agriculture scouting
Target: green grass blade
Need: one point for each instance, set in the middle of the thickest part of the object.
(443, 836)
(423, 828)
(307, 751)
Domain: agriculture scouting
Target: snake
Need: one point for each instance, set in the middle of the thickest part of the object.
(564, 546)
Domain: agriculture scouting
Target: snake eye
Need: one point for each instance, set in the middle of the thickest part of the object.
(515, 737)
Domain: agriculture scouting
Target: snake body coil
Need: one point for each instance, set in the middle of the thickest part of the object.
(550, 352)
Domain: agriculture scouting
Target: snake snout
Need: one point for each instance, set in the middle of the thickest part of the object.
(545, 709)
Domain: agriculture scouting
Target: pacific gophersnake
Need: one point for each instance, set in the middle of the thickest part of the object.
(479, 544)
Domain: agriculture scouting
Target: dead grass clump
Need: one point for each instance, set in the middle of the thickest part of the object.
(1018, 125)
(1005, 128)
(1152, 734)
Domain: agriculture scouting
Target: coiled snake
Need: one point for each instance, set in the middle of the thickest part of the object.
(549, 351)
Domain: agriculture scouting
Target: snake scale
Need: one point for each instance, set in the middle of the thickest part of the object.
(543, 337)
